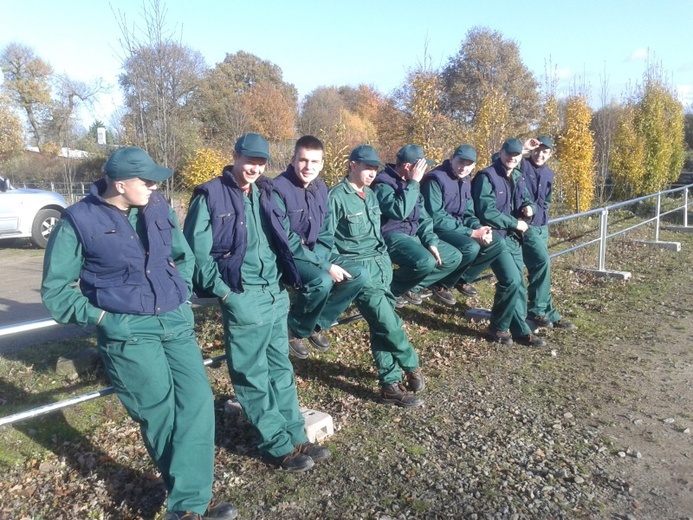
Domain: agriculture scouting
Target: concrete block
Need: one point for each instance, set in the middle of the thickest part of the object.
(619, 275)
(678, 229)
(669, 246)
(318, 424)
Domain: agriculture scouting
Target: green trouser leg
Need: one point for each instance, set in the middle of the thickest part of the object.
(518, 325)
(257, 351)
(475, 257)
(322, 301)
(391, 349)
(159, 376)
(535, 253)
(417, 266)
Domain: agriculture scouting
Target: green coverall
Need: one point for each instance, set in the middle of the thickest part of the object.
(416, 265)
(154, 364)
(510, 303)
(475, 257)
(355, 224)
(255, 330)
(321, 301)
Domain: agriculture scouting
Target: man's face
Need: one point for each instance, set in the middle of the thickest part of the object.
(462, 167)
(510, 160)
(361, 174)
(307, 164)
(135, 192)
(540, 155)
(246, 169)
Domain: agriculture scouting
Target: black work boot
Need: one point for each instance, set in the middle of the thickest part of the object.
(314, 450)
(319, 341)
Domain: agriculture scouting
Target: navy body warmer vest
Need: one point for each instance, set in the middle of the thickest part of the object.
(118, 274)
(539, 181)
(306, 208)
(410, 224)
(456, 193)
(509, 197)
(230, 230)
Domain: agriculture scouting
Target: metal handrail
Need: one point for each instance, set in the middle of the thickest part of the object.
(603, 236)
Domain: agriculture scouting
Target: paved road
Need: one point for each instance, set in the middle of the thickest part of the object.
(20, 298)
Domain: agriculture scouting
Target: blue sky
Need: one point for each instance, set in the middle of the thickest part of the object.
(373, 42)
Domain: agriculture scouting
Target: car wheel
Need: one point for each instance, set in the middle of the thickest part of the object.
(44, 222)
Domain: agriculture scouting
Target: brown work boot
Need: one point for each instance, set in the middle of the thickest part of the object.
(314, 450)
(319, 341)
(397, 394)
(297, 347)
(415, 381)
(444, 296)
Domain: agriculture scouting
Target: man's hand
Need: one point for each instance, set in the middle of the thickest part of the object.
(527, 211)
(521, 226)
(531, 144)
(482, 235)
(417, 171)
(436, 254)
(338, 274)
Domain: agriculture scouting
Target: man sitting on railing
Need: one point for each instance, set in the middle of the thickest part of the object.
(501, 201)
(535, 241)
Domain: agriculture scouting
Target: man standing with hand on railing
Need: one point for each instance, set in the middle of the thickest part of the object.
(123, 246)
(535, 244)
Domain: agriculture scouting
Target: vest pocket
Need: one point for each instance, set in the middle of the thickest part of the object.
(165, 227)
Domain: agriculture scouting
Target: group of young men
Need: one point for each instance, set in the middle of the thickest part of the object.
(118, 260)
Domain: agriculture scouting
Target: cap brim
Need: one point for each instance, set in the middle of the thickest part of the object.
(157, 174)
(430, 162)
(372, 163)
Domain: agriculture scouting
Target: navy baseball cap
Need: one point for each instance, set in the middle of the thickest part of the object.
(512, 146)
(546, 141)
(252, 145)
(411, 153)
(365, 154)
(465, 152)
(130, 162)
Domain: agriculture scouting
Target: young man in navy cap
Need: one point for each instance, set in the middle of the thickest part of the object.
(423, 260)
(502, 202)
(447, 197)
(123, 245)
(330, 282)
(241, 252)
(535, 243)
(354, 216)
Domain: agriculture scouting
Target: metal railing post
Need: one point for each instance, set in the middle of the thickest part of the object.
(603, 222)
(658, 216)
(685, 207)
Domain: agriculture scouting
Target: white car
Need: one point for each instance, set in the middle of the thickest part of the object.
(26, 213)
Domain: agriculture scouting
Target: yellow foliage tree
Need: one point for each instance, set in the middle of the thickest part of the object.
(336, 154)
(11, 138)
(427, 123)
(489, 130)
(202, 165)
(627, 160)
(650, 141)
(575, 150)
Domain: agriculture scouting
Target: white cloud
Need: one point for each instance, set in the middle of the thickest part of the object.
(564, 72)
(685, 94)
(640, 54)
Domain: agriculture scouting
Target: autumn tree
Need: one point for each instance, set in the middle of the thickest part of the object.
(488, 63)
(27, 81)
(160, 78)
(575, 150)
(202, 165)
(11, 136)
(490, 127)
(651, 129)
